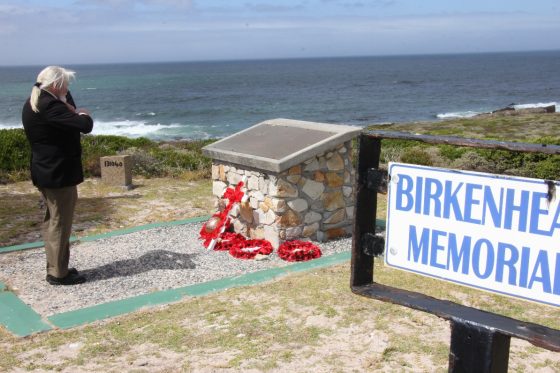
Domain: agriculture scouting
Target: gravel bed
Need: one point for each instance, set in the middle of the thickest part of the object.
(123, 266)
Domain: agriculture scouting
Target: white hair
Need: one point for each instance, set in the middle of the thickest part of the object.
(51, 76)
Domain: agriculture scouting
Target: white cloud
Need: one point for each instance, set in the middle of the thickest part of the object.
(117, 30)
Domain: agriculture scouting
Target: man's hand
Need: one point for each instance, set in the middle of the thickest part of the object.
(83, 112)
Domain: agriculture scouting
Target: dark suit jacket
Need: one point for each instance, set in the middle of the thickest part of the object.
(54, 135)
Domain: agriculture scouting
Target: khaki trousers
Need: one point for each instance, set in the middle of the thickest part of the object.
(57, 227)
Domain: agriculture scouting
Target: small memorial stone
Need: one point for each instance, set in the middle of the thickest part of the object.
(117, 170)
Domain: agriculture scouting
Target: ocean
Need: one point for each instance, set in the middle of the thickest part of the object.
(198, 100)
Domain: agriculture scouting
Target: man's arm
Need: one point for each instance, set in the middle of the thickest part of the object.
(58, 113)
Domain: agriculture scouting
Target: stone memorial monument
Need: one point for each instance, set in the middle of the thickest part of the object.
(299, 179)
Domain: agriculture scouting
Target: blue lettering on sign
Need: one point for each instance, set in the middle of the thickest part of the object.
(471, 252)
(541, 272)
(432, 193)
(459, 258)
(504, 208)
(405, 201)
(506, 257)
(417, 247)
(470, 200)
(522, 208)
(536, 212)
(502, 261)
(495, 209)
(451, 201)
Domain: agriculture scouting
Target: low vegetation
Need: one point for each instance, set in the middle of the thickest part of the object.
(150, 158)
(529, 128)
(185, 158)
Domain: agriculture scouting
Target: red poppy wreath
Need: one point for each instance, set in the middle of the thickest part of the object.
(298, 251)
(227, 240)
(248, 249)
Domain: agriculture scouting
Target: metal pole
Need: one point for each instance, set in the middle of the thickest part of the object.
(477, 348)
(369, 151)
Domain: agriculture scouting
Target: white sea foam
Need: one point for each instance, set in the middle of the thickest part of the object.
(470, 114)
(531, 106)
(129, 128)
(458, 114)
(133, 129)
(7, 126)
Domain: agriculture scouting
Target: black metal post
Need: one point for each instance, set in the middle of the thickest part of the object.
(369, 152)
(475, 348)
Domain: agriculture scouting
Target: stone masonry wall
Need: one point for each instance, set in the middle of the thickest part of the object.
(314, 199)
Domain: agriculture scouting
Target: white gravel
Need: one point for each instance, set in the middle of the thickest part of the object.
(123, 266)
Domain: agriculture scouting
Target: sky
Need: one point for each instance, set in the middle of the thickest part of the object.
(40, 32)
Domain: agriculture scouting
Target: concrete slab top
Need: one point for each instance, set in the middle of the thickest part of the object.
(278, 144)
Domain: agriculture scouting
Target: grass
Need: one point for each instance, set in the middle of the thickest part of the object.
(281, 324)
(102, 208)
(523, 128)
(304, 322)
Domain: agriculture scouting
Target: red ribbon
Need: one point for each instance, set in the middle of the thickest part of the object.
(234, 196)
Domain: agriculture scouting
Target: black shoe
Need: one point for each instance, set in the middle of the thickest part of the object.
(69, 279)
(72, 271)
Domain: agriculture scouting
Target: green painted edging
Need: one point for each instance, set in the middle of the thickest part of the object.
(18, 318)
(111, 309)
(86, 315)
(34, 245)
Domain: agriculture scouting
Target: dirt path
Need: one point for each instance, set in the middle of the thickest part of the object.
(103, 208)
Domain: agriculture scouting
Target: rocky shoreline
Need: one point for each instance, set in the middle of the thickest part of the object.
(512, 110)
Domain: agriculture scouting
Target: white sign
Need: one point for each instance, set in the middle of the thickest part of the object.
(492, 232)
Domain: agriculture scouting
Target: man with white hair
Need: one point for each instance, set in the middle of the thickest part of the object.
(53, 126)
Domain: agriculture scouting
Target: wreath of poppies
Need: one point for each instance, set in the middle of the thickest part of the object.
(249, 249)
(215, 237)
(227, 240)
(298, 251)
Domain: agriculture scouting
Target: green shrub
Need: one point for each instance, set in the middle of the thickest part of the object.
(548, 169)
(502, 160)
(15, 152)
(150, 158)
(452, 152)
(417, 156)
(471, 160)
(95, 147)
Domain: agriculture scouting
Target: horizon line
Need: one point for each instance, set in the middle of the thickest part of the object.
(287, 58)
